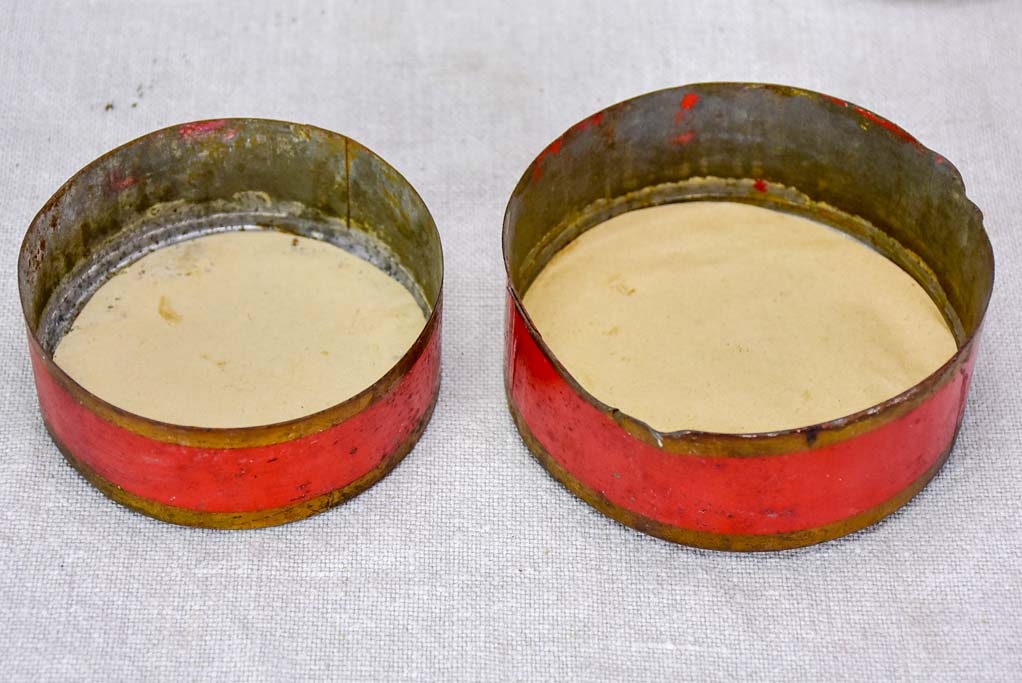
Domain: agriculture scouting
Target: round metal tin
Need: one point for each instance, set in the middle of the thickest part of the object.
(780, 147)
(210, 176)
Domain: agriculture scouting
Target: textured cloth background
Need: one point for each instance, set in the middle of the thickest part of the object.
(469, 562)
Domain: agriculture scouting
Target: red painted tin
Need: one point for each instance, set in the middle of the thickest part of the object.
(780, 147)
(212, 176)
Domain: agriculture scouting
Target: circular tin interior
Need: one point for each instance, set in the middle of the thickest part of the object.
(783, 148)
(213, 176)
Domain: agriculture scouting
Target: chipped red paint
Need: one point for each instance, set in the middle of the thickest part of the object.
(551, 149)
(893, 127)
(879, 120)
(749, 495)
(760, 185)
(687, 102)
(118, 182)
(242, 479)
(684, 138)
(199, 128)
(554, 147)
(594, 120)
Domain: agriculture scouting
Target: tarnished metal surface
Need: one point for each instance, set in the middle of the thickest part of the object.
(210, 176)
(787, 149)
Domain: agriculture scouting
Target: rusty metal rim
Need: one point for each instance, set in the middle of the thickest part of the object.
(713, 541)
(234, 437)
(254, 519)
(756, 444)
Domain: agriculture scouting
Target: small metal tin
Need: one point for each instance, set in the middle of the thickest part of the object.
(780, 147)
(211, 176)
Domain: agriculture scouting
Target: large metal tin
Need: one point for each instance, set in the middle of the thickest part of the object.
(208, 176)
(789, 149)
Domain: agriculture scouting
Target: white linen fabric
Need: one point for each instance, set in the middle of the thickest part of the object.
(469, 562)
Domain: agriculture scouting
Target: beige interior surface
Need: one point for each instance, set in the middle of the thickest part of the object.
(727, 317)
(239, 329)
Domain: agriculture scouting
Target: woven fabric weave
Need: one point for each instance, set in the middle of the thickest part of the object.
(469, 562)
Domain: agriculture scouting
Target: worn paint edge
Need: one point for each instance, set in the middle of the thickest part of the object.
(728, 542)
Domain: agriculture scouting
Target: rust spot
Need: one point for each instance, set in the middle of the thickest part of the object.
(168, 313)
